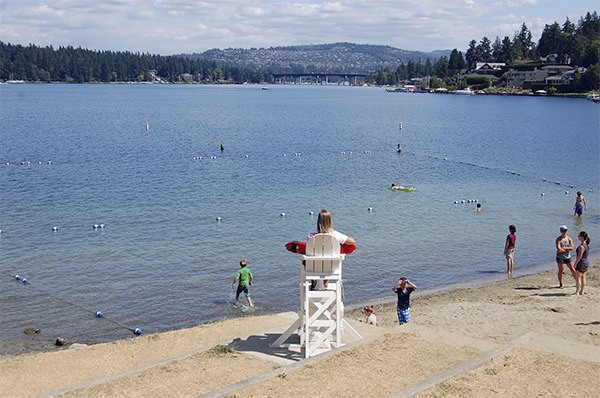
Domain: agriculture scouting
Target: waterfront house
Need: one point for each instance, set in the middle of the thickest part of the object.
(489, 66)
(518, 78)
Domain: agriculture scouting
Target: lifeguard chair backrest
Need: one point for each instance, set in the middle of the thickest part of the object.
(323, 254)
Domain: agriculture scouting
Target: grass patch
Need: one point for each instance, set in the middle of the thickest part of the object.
(222, 350)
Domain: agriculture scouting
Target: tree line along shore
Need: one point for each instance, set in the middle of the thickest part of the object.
(507, 65)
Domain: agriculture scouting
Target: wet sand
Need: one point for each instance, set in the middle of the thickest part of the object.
(520, 338)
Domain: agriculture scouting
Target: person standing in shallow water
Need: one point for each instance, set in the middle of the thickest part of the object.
(564, 245)
(244, 277)
(580, 205)
(403, 289)
(509, 249)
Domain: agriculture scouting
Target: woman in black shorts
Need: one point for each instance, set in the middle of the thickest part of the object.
(582, 263)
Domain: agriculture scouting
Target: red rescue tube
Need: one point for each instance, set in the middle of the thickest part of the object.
(300, 247)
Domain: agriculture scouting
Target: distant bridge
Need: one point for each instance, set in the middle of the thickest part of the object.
(319, 78)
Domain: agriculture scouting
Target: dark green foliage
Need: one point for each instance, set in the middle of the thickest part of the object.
(68, 64)
(478, 80)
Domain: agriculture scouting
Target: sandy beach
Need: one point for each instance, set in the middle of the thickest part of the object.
(521, 337)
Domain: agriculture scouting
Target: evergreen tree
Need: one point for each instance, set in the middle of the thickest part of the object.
(472, 55)
(485, 50)
(551, 41)
(456, 62)
(441, 70)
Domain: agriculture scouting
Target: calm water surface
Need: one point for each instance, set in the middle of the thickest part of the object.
(163, 261)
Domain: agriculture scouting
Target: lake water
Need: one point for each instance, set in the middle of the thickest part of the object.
(163, 261)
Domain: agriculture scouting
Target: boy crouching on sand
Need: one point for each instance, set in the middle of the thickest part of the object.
(370, 317)
(244, 276)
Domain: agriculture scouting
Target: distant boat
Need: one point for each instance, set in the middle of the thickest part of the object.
(466, 91)
(593, 97)
(264, 88)
(13, 81)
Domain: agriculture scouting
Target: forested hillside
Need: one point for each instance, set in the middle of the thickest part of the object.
(577, 45)
(319, 58)
(76, 65)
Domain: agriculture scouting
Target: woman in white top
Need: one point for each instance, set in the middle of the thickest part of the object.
(325, 226)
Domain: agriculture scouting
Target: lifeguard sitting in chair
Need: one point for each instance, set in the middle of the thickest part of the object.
(321, 309)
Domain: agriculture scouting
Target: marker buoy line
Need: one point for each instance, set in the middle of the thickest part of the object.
(27, 163)
(511, 172)
(98, 314)
(346, 152)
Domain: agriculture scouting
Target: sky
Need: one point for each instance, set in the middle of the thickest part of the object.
(194, 26)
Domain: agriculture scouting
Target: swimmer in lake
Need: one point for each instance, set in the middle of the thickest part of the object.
(580, 205)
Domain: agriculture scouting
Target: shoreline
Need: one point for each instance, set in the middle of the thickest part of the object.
(350, 308)
(496, 278)
(499, 338)
(519, 93)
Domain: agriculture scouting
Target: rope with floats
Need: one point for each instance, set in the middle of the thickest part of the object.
(98, 314)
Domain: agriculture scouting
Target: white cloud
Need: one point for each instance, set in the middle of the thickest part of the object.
(174, 26)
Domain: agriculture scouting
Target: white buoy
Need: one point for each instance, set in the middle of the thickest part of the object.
(456, 202)
(566, 192)
(282, 214)
(311, 213)
(543, 194)
(369, 209)
(55, 228)
(219, 219)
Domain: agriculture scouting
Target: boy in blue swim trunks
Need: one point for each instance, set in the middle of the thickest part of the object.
(403, 289)
(244, 277)
(580, 204)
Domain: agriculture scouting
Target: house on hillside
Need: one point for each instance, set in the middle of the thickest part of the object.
(551, 75)
(518, 78)
(554, 59)
(549, 59)
(564, 79)
(489, 66)
(557, 70)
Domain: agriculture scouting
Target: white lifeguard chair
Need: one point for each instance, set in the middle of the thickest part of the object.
(321, 317)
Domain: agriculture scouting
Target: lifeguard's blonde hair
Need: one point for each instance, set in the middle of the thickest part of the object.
(324, 222)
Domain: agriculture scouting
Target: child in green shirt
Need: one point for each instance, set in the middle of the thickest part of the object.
(244, 277)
